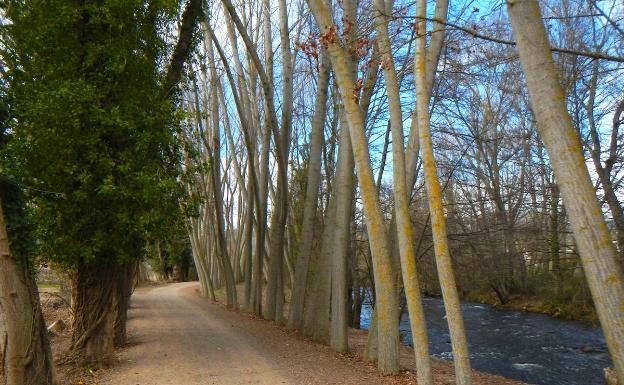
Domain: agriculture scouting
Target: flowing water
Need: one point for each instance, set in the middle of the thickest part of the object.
(533, 348)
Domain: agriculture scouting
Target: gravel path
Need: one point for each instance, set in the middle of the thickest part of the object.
(179, 338)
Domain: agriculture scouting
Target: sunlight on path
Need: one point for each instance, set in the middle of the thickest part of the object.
(173, 341)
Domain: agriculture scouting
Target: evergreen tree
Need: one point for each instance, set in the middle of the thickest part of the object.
(92, 130)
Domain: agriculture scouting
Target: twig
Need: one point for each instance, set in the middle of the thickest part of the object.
(475, 33)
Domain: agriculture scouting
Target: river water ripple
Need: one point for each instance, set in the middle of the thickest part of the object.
(533, 348)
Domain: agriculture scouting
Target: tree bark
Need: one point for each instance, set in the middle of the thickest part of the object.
(597, 252)
(401, 205)
(248, 246)
(94, 291)
(343, 188)
(316, 313)
(125, 287)
(26, 359)
(554, 240)
(183, 46)
(295, 314)
(450, 296)
(385, 283)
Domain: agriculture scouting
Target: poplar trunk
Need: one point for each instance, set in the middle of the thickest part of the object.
(597, 252)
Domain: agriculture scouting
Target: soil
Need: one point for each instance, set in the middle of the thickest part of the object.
(56, 308)
(179, 338)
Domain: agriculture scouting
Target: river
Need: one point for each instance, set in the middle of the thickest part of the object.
(528, 347)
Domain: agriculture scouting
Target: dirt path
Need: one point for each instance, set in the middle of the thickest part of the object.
(178, 338)
(175, 341)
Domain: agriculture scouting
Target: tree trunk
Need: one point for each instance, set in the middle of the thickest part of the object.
(94, 292)
(295, 315)
(343, 188)
(371, 352)
(125, 287)
(356, 308)
(401, 205)
(266, 80)
(455, 320)
(316, 319)
(26, 358)
(554, 239)
(385, 283)
(275, 291)
(275, 287)
(598, 255)
(248, 252)
(215, 172)
(604, 172)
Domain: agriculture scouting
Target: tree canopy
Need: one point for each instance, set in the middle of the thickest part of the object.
(90, 132)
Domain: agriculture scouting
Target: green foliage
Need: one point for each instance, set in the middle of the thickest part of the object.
(19, 221)
(17, 216)
(90, 124)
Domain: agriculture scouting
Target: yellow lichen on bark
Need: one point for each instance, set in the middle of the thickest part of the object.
(438, 222)
(387, 296)
(597, 252)
(401, 202)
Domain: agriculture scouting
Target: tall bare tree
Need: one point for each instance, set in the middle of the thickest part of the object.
(598, 254)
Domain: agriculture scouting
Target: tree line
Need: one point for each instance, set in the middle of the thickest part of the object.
(312, 155)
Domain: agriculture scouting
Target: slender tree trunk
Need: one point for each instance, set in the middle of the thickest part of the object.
(295, 315)
(455, 320)
(256, 193)
(26, 358)
(125, 287)
(413, 144)
(200, 256)
(274, 309)
(344, 191)
(604, 172)
(356, 305)
(343, 188)
(261, 219)
(385, 283)
(401, 206)
(554, 239)
(316, 316)
(275, 289)
(598, 255)
(248, 252)
(215, 156)
(371, 351)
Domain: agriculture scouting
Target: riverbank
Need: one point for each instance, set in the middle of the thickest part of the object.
(521, 346)
(443, 370)
(528, 347)
(572, 311)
